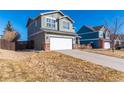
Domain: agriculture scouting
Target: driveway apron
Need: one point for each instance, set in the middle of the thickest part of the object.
(112, 62)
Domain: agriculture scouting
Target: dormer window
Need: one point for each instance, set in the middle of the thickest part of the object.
(50, 22)
(66, 25)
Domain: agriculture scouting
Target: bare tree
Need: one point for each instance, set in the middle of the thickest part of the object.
(114, 29)
(10, 34)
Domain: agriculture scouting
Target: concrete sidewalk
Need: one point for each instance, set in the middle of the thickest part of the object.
(112, 62)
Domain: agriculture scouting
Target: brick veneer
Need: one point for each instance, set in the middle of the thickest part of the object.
(47, 46)
(75, 46)
(101, 43)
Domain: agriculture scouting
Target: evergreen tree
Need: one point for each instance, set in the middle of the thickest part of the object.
(9, 27)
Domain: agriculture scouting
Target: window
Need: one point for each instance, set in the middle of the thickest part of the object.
(66, 25)
(104, 35)
(107, 35)
(50, 22)
(101, 34)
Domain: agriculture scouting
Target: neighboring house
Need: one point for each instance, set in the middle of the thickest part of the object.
(98, 37)
(1, 36)
(118, 39)
(52, 31)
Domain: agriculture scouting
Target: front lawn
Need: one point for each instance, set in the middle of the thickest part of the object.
(53, 66)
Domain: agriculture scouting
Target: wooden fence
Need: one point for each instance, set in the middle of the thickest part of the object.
(7, 45)
(19, 45)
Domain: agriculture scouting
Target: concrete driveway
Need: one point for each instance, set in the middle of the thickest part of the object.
(112, 62)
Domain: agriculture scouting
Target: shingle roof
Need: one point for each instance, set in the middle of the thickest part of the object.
(97, 28)
(57, 11)
(90, 27)
(47, 13)
(29, 21)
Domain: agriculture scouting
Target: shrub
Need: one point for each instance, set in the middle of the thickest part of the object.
(10, 34)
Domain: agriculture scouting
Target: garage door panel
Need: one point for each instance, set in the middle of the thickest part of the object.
(106, 45)
(60, 43)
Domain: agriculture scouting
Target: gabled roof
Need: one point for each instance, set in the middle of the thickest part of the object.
(47, 13)
(69, 18)
(52, 12)
(29, 21)
(89, 27)
(97, 28)
(57, 11)
(85, 26)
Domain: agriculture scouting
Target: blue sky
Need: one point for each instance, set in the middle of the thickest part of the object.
(81, 17)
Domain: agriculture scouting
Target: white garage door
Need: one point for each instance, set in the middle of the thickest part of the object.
(107, 45)
(60, 43)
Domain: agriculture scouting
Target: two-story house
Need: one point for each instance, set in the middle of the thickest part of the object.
(98, 37)
(52, 31)
(118, 39)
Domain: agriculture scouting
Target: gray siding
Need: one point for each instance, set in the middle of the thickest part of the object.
(32, 28)
(70, 23)
(42, 25)
(39, 41)
(57, 15)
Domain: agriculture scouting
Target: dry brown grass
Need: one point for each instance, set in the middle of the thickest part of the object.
(14, 55)
(53, 66)
(108, 52)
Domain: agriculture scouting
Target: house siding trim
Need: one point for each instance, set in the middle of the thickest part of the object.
(87, 33)
(56, 32)
(89, 39)
(35, 33)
